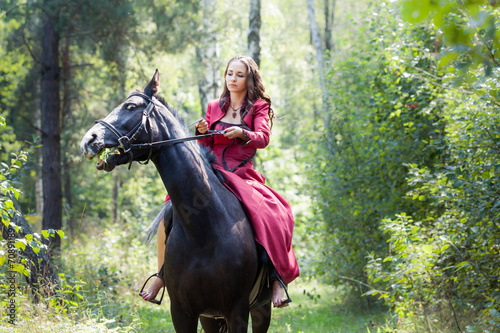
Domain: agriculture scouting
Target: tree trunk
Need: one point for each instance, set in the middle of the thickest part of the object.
(115, 195)
(38, 153)
(51, 154)
(329, 18)
(319, 59)
(207, 54)
(66, 107)
(254, 31)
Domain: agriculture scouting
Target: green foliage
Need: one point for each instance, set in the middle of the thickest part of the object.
(443, 267)
(468, 29)
(384, 115)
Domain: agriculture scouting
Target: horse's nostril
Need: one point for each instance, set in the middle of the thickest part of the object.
(92, 138)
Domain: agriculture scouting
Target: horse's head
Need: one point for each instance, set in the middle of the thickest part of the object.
(126, 126)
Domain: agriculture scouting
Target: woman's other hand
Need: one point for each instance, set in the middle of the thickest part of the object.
(202, 126)
(235, 132)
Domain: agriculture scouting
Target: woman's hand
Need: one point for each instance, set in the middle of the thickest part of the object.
(202, 126)
(235, 132)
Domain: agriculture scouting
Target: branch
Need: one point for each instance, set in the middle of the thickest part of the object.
(13, 8)
(361, 283)
(28, 47)
(28, 121)
(479, 40)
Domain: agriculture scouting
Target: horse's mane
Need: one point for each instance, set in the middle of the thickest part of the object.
(205, 152)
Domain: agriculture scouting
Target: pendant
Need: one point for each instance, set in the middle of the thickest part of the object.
(234, 114)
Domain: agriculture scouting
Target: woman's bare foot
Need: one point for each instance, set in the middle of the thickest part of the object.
(153, 290)
(278, 294)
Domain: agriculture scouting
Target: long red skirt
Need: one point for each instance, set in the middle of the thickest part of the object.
(270, 215)
(271, 218)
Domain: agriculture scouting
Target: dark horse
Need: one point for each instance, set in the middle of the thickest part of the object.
(210, 256)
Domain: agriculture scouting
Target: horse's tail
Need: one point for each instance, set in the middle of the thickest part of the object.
(165, 214)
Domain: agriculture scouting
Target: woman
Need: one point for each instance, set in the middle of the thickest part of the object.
(244, 111)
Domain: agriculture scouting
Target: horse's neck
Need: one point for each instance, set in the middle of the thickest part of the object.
(192, 187)
(190, 183)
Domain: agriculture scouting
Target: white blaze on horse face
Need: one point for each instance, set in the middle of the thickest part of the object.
(94, 140)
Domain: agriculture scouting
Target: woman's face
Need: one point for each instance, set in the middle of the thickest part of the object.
(236, 77)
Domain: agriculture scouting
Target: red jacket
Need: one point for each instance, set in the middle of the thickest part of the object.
(269, 213)
(257, 130)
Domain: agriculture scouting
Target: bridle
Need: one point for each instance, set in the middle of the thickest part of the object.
(126, 141)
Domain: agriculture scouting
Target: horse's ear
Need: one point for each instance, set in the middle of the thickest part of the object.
(154, 85)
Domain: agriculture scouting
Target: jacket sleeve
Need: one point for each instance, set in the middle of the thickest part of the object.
(259, 137)
(208, 142)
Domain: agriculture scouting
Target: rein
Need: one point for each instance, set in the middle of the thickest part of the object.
(125, 141)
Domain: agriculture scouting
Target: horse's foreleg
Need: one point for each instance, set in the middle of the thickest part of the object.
(237, 321)
(261, 318)
(183, 323)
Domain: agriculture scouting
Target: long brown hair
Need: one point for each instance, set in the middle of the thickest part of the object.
(255, 87)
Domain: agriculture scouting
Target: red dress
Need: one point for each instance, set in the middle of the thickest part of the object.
(269, 213)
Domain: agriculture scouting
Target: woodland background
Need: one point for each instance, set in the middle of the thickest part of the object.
(387, 147)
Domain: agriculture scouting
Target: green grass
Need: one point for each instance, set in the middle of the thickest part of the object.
(316, 308)
(107, 272)
(321, 308)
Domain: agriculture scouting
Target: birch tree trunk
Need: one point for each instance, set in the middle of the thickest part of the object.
(51, 144)
(38, 154)
(115, 195)
(66, 111)
(329, 19)
(316, 39)
(207, 54)
(254, 31)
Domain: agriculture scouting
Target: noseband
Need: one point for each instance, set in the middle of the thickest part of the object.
(125, 141)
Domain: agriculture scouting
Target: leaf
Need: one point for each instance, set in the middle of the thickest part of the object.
(371, 292)
(60, 233)
(20, 244)
(415, 11)
(463, 264)
(427, 249)
(8, 204)
(45, 234)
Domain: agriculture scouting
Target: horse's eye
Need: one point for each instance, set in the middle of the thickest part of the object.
(130, 106)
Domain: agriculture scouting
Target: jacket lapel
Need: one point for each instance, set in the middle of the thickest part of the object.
(219, 110)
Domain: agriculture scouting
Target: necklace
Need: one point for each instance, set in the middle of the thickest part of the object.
(235, 110)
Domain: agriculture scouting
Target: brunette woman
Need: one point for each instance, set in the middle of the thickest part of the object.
(244, 113)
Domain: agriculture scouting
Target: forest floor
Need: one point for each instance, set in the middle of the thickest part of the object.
(99, 282)
(316, 308)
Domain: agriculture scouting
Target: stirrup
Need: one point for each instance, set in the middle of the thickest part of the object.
(163, 292)
(288, 300)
